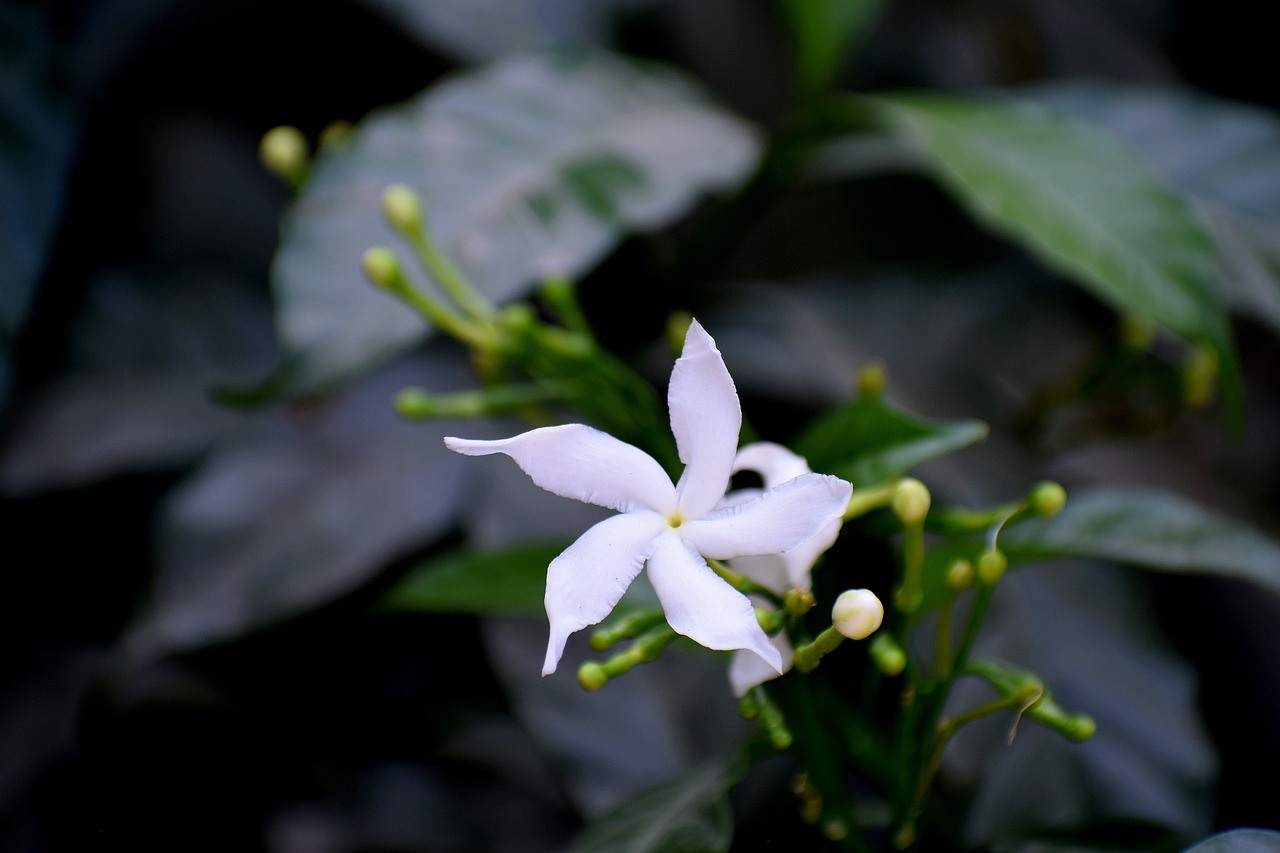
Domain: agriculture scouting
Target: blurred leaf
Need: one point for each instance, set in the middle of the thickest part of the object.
(1222, 156)
(1239, 841)
(1150, 529)
(480, 30)
(135, 395)
(824, 32)
(509, 583)
(532, 166)
(298, 513)
(689, 815)
(1088, 630)
(1083, 202)
(868, 441)
(36, 145)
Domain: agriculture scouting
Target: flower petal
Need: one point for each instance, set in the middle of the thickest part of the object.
(774, 463)
(583, 463)
(777, 521)
(747, 669)
(700, 605)
(705, 419)
(587, 579)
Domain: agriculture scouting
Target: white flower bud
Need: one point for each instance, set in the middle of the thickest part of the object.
(857, 613)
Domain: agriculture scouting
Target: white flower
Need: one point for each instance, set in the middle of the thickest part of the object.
(778, 572)
(668, 527)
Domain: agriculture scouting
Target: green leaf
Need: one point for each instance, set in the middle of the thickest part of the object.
(687, 815)
(532, 166)
(824, 32)
(1150, 529)
(509, 582)
(1083, 202)
(868, 441)
(1239, 841)
(1223, 157)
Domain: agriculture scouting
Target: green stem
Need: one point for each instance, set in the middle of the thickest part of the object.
(744, 584)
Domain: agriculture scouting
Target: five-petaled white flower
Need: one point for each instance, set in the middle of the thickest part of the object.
(668, 527)
(777, 572)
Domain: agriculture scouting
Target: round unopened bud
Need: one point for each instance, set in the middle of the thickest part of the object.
(591, 676)
(888, 656)
(857, 613)
(1080, 727)
(1047, 498)
(1200, 377)
(911, 501)
(991, 566)
(959, 574)
(402, 206)
(382, 267)
(872, 379)
(284, 150)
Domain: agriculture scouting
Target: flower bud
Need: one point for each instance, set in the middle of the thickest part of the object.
(591, 676)
(872, 379)
(1047, 498)
(959, 575)
(857, 613)
(888, 656)
(911, 501)
(991, 566)
(284, 150)
(382, 267)
(402, 206)
(1199, 377)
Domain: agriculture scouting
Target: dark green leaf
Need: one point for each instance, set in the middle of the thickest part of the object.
(868, 441)
(509, 582)
(1082, 201)
(1239, 841)
(1222, 157)
(687, 815)
(532, 166)
(1150, 529)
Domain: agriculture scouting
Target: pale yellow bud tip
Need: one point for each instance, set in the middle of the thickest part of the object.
(872, 379)
(857, 613)
(592, 676)
(381, 266)
(284, 150)
(911, 501)
(402, 206)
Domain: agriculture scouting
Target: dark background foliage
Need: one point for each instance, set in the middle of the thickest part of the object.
(138, 229)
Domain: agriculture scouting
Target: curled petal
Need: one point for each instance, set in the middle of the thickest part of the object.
(587, 579)
(701, 606)
(800, 559)
(777, 521)
(583, 463)
(705, 419)
(748, 669)
(774, 463)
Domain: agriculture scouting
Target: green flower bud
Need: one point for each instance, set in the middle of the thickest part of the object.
(591, 676)
(857, 613)
(1047, 498)
(1079, 727)
(959, 575)
(888, 656)
(382, 267)
(284, 150)
(911, 501)
(991, 566)
(872, 380)
(402, 206)
(1200, 377)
